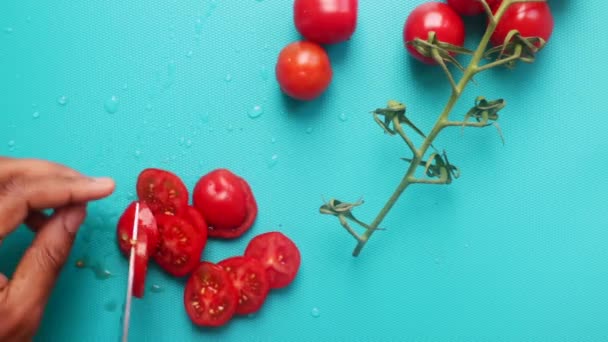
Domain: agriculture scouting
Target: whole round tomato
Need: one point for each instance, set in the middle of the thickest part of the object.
(226, 202)
(326, 21)
(531, 19)
(303, 70)
(435, 17)
(469, 7)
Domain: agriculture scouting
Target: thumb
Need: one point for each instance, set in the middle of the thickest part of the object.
(36, 274)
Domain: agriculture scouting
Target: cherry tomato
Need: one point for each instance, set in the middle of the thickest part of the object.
(162, 190)
(433, 17)
(210, 298)
(469, 7)
(531, 19)
(180, 245)
(278, 254)
(326, 21)
(147, 227)
(250, 280)
(226, 202)
(303, 70)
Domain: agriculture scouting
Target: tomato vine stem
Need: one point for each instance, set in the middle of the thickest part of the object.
(442, 122)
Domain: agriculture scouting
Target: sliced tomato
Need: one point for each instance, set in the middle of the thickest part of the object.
(278, 254)
(210, 298)
(250, 280)
(162, 190)
(196, 219)
(180, 245)
(142, 256)
(147, 226)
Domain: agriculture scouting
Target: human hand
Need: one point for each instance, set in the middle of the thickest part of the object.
(28, 186)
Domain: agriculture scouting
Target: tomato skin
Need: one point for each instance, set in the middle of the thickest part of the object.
(197, 220)
(147, 227)
(162, 190)
(250, 280)
(210, 298)
(531, 19)
(433, 16)
(278, 254)
(303, 70)
(226, 202)
(180, 245)
(142, 256)
(469, 7)
(326, 21)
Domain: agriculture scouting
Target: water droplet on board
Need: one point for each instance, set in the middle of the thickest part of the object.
(315, 312)
(266, 47)
(467, 245)
(255, 112)
(309, 130)
(230, 128)
(36, 115)
(110, 306)
(188, 143)
(437, 261)
(101, 272)
(8, 30)
(274, 159)
(28, 19)
(62, 100)
(137, 153)
(149, 107)
(264, 72)
(11, 143)
(125, 86)
(343, 117)
(111, 105)
(205, 117)
(189, 54)
(273, 140)
(34, 105)
(156, 288)
(228, 78)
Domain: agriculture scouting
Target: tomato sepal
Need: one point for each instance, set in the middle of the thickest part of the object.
(516, 47)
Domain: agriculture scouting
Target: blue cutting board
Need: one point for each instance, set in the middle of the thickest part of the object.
(516, 249)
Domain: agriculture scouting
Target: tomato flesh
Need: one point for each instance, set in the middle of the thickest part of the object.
(531, 19)
(250, 280)
(226, 202)
(197, 220)
(210, 298)
(163, 191)
(147, 227)
(326, 21)
(303, 70)
(180, 245)
(435, 17)
(140, 268)
(278, 254)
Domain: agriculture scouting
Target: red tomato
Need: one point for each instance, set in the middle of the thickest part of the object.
(433, 17)
(196, 219)
(469, 7)
(531, 19)
(303, 70)
(147, 227)
(250, 280)
(210, 298)
(226, 202)
(162, 190)
(326, 21)
(140, 268)
(180, 245)
(279, 256)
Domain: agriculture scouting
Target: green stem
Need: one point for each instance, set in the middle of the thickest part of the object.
(440, 124)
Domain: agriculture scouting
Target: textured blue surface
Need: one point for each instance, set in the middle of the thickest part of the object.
(514, 250)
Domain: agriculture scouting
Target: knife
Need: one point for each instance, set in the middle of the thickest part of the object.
(127, 313)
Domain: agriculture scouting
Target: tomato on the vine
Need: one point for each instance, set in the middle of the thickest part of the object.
(326, 21)
(469, 7)
(278, 254)
(303, 70)
(210, 298)
(163, 191)
(250, 280)
(433, 17)
(180, 245)
(226, 202)
(531, 19)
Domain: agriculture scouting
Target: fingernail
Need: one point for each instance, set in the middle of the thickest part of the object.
(73, 218)
(103, 181)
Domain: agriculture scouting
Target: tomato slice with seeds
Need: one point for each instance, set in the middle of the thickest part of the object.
(210, 298)
(250, 280)
(180, 245)
(147, 227)
(162, 190)
(278, 254)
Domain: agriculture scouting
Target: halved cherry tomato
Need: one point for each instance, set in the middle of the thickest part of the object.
(531, 19)
(435, 17)
(162, 190)
(180, 245)
(303, 70)
(147, 227)
(209, 297)
(326, 21)
(278, 254)
(250, 280)
(226, 202)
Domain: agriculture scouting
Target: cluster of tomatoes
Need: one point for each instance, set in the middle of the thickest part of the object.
(303, 69)
(173, 233)
(530, 19)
